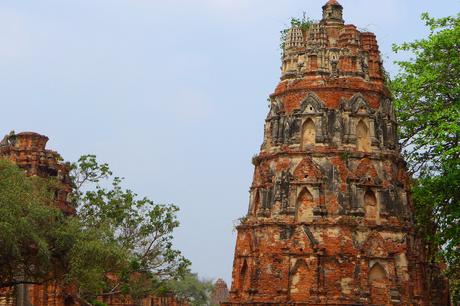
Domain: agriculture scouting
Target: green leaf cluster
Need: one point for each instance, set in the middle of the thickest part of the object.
(197, 291)
(427, 101)
(427, 95)
(132, 236)
(117, 243)
(29, 227)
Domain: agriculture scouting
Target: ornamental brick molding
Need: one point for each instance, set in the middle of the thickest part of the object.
(330, 219)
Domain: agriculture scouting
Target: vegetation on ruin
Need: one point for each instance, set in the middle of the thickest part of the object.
(427, 100)
(304, 23)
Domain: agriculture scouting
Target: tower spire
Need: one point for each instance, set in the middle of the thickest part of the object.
(333, 12)
(329, 220)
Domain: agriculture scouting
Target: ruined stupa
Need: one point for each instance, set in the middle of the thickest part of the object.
(330, 219)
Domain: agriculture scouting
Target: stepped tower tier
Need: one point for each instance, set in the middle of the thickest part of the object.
(330, 219)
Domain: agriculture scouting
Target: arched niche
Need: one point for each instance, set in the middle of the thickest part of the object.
(363, 139)
(377, 273)
(370, 205)
(244, 276)
(379, 285)
(308, 133)
(305, 205)
(302, 278)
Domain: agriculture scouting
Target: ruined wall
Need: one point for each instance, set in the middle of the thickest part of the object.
(119, 300)
(330, 220)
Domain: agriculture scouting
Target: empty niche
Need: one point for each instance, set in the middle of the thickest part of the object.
(377, 273)
(308, 133)
(378, 282)
(305, 206)
(313, 62)
(244, 276)
(302, 277)
(363, 141)
(370, 205)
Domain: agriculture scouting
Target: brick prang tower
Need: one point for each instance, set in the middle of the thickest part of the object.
(330, 219)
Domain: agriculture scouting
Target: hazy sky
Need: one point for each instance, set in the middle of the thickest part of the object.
(172, 93)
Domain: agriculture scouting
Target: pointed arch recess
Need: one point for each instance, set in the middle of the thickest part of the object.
(370, 205)
(308, 133)
(305, 205)
(302, 277)
(363, 139)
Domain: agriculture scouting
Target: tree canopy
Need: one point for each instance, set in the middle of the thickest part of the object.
(138, 231)
(427, 100)
(117, 243)
(427, 92)
(197, 291)
(29, 242)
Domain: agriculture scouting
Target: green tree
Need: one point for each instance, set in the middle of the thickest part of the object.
(138, 231)
(197, 291)
(29, 227)
(427, 100)
(427, 92)
(117, 243)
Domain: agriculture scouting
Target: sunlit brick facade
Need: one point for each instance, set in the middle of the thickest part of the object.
(330, 219)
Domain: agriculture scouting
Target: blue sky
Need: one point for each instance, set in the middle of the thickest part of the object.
(172, 94)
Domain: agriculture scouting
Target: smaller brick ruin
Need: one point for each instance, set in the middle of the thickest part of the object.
(219, 292)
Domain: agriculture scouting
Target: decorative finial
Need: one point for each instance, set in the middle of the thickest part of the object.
(333, 2)
(333, 12)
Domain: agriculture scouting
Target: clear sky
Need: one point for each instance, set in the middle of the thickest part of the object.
(171, 93)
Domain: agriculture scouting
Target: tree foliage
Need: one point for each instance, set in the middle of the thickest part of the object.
(197, 291)
(427, 100)
(29, 227)
(137, 230)
(427, 92)
(117, 243)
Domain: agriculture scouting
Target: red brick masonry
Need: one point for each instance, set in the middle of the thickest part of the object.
(330, 220)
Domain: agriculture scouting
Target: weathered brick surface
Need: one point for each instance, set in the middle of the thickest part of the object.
(28, 151)
(330, 220)
(219, 292)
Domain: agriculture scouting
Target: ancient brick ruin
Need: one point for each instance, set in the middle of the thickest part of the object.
(330, 219)
(28, 151)
(219, 293)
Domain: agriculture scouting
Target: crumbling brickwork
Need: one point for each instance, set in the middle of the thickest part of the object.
(28, 151)
(330, 220)
(219, 292)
